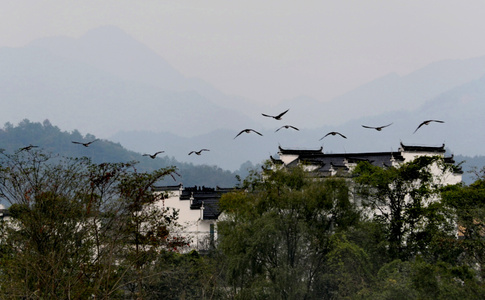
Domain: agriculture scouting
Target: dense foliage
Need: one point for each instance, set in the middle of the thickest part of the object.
(291, 236)
(282, 240)
(79, 229)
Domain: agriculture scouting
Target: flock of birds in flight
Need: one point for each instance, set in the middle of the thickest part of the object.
(249, 130)
(87, 144)
(279, 117)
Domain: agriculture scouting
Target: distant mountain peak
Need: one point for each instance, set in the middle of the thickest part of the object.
(107, 30)
(111, 49)
(97, 35)
(112, 35)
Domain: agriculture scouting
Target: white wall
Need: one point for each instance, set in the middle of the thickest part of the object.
(193, 225)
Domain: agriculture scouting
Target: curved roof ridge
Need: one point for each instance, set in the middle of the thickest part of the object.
(423, 148)
(316, 151)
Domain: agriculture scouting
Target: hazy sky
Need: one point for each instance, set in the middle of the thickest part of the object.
(270, 50)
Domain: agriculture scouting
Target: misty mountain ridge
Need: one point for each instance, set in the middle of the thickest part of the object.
(78, 95)
(111, 85)
(112, 50)
(389, 93)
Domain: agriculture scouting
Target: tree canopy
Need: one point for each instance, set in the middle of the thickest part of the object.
(80, 229)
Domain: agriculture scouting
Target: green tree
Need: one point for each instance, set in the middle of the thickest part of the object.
(146, 229)
(77, 229)
(348, 270)
(468, 205)
(183, 276)
(417, 279)
(405, 199)
(277, 234)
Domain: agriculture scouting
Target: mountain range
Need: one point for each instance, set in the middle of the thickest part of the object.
(108, 84)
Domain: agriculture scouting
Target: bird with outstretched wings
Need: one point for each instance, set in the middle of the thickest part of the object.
(427, 122)
(278, 117)
(152, 156)
(198, 152)
(378, 128)
(333, 133)
(247, 131)
(287, 127)
(85, 144)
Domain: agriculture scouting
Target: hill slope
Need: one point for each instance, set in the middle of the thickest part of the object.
(51, 139)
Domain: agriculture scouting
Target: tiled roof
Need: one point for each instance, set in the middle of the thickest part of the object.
(205, 197)
(166, 188)
(439, 149)
(451, 160)
(339, 160)
(339, 163)
(275, 161)
(300, 151)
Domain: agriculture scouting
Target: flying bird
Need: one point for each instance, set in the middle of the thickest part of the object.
(247, 131)
(278, 117)
(333, 133)
(286, 127)
(379, 128)
(85, 144)
(152, 156)
(27, 148)
(427, 123)
(198, 152)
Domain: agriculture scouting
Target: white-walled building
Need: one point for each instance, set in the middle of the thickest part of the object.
(341, 164)
(323, 165)
(198, 211)
(198, 206)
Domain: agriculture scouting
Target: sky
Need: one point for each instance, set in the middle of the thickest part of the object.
(269, 51)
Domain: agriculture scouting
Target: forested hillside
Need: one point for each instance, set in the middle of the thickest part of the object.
(52, 139)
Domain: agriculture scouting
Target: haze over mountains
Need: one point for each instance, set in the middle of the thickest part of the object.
(110, 85)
